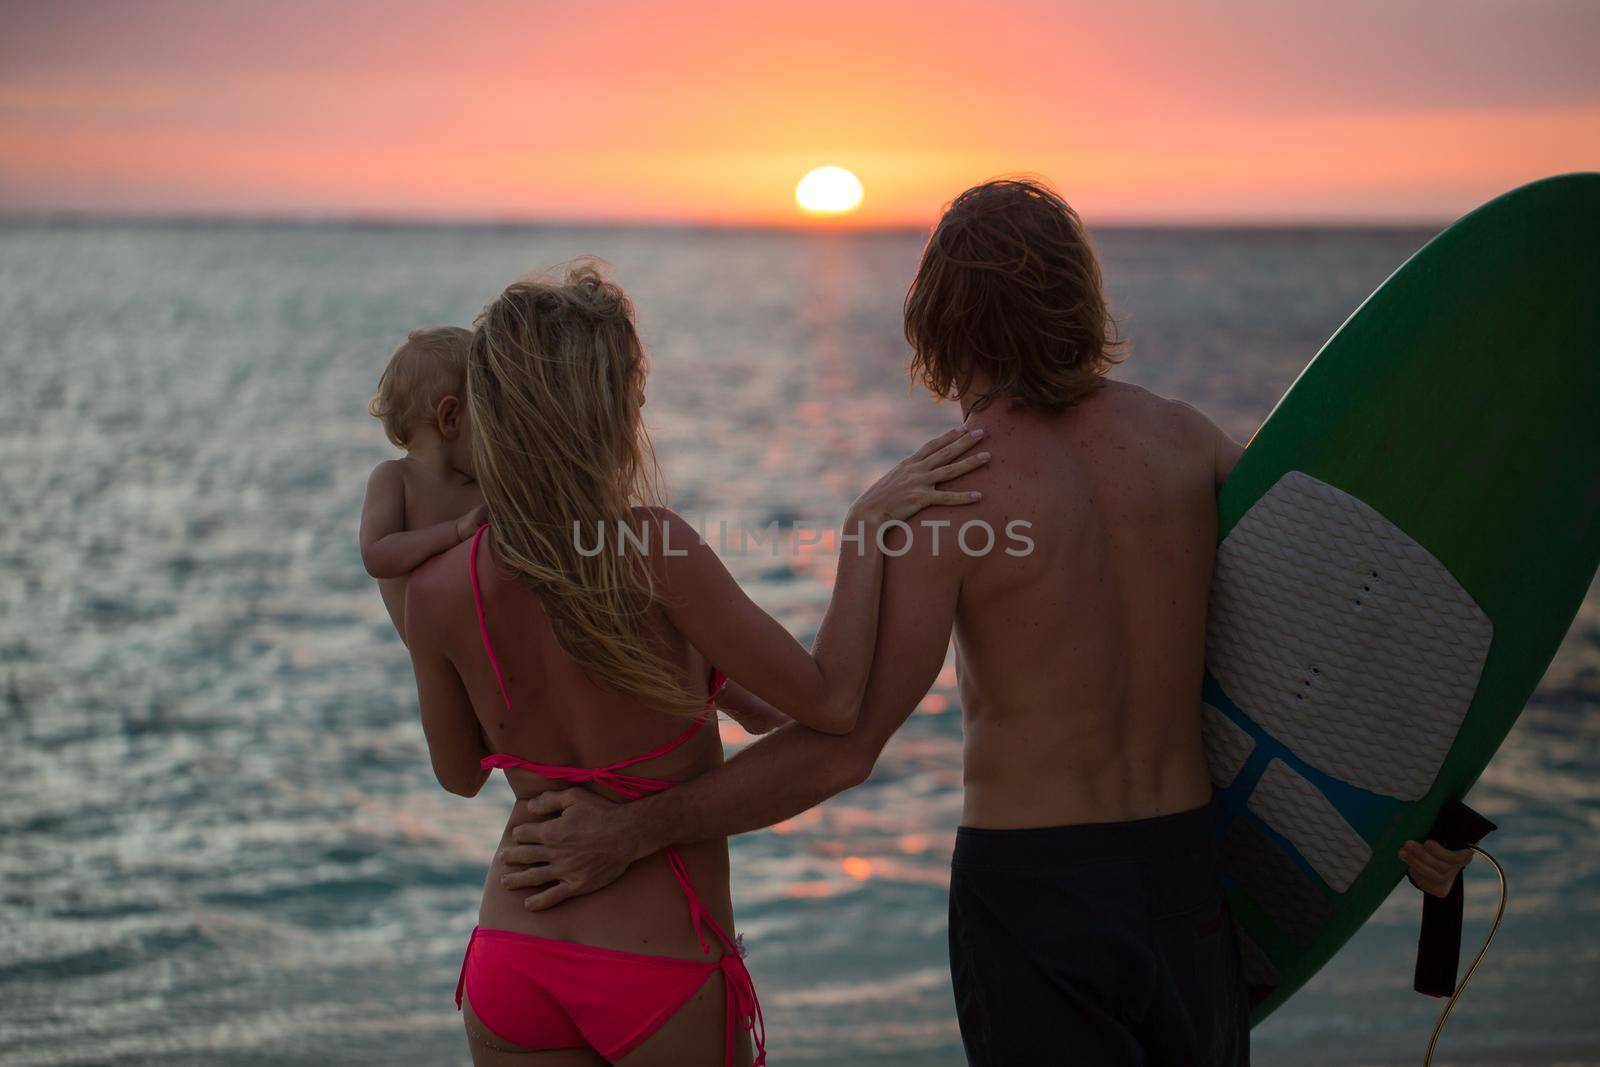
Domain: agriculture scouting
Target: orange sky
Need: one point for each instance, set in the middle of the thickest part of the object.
(1259, 110)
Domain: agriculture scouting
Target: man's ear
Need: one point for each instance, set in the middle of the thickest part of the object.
(447, 416)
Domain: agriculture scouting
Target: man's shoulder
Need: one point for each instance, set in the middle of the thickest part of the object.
(1179, 433)
(1139, 399)
(1161, 420)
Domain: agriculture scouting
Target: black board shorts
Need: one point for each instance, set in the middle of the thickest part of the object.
(1105, 944)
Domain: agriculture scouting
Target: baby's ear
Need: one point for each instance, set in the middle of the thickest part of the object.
(447, 416)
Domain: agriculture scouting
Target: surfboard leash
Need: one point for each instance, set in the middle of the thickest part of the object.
(1494, 928)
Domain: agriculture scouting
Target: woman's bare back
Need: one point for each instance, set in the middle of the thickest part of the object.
(558, 715)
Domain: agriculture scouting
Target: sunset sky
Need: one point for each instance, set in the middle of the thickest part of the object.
(1159, 110)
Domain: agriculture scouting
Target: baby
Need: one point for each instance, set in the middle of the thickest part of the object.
(428, 500)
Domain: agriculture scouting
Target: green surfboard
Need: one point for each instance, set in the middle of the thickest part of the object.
(1403, 546)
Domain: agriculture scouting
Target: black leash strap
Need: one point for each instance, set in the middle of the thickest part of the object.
(1439, 946)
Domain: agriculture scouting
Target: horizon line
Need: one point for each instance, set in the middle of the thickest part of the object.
(371, 220)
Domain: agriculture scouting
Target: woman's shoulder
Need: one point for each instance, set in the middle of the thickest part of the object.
(656, 515)
(667, 534)
(443, 580)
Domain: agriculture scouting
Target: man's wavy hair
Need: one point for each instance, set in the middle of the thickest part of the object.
(1008, 292)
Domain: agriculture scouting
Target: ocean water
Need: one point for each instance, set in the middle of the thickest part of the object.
(220, 842)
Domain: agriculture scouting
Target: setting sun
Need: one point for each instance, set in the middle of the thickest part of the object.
(828, 191)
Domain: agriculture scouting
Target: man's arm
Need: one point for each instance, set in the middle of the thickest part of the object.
(1228, 453)
(592, 841)
(1225, 450)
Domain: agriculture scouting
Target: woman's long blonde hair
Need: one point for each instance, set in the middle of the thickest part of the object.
(555, 376)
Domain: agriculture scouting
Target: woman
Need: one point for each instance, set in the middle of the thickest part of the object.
(537, 654)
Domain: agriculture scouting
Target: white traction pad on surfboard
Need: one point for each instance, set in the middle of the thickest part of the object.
(1296, 809)
(1344, 638)
(1227, 745)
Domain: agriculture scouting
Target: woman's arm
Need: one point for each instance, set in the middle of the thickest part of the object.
(821, 689)
(749, 710)
(455, 739)
(388, 549)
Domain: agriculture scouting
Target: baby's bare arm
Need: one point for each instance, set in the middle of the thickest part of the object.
(388, 549)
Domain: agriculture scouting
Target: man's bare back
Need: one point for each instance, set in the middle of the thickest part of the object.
(1080, 662)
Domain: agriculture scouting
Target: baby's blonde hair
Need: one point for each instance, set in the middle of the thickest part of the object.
(430, 365)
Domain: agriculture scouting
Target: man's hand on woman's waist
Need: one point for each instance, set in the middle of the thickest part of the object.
(584, 844)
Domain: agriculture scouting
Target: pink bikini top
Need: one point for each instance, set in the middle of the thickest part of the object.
(632, 786)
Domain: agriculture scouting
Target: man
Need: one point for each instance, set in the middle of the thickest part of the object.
(1086, 917)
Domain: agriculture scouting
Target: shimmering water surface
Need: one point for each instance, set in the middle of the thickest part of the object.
(220, 842)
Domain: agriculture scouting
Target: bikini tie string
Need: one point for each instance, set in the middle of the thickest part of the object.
(744, 1008)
